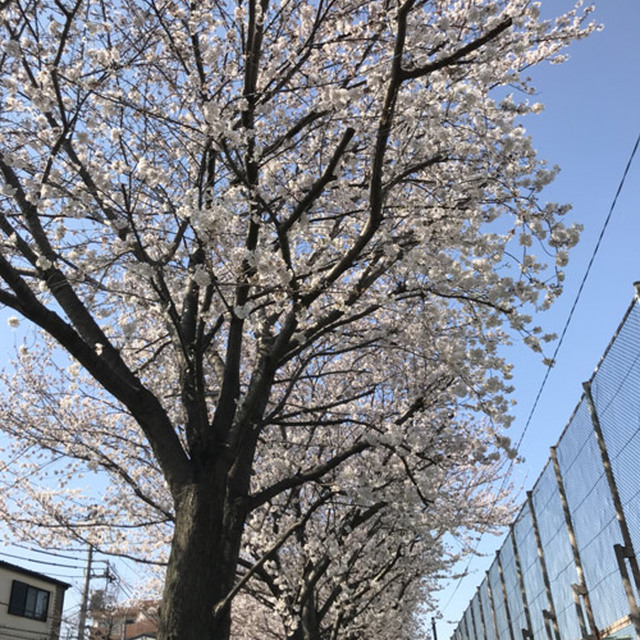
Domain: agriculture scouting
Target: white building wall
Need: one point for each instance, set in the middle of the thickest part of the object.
(15, 627)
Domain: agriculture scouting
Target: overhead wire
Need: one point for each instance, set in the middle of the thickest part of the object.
(579, 293)
(51, 553)
(52, 564)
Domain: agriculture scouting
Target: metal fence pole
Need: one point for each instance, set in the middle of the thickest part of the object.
(474, 622)
(550, 613)
(625, 551)
(580, 589)
(493, 607)
(480, 607)
(466, 626)
(504, 595)
(526, 633)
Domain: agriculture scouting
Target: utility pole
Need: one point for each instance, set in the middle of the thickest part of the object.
(433, 628)
(85, 595)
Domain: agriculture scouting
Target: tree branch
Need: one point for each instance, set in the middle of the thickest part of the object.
(299, 479)
(457, 56)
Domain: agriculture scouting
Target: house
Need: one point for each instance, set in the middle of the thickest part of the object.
(136, 622)
(30, 604)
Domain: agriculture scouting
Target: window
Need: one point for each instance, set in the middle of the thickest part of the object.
(28, 601)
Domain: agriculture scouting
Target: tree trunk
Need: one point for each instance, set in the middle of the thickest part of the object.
(310, 622)
(309, 626)
(203, 560)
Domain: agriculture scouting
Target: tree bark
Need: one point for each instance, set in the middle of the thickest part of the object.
(203, 560)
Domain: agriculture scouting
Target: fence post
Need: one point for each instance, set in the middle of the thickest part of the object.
(474, 622)
(504, 595)
(548, 614)
(625, 551)
(466, 626)
(493, 607)
(526, 633)
(480, 607)
(580, 589)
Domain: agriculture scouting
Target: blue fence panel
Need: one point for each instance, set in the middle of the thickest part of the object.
(471, 623)
(487, 611)
(593, 516)
(476, 610)
(502, 623)
(512, 587)
(615, 388)
(554, 537)
(616, 393)
(531, 571)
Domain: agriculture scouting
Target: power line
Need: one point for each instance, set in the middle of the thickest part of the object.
(49, 553)
(580, 289)
(52, 564)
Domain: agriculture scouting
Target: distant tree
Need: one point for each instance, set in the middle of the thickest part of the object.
(273, 238)
(368, 546)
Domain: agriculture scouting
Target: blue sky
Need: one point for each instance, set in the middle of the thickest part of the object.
(589, 127)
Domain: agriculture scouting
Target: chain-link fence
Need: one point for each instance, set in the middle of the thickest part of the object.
(568, 568)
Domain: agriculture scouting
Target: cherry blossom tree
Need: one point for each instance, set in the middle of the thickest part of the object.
(367, 546)
(270, 245)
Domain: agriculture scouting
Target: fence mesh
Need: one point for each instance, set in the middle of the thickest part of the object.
(557, 551)
(593, 515)
(616, 394)
(513, 590)
(487, 610)
(468, 626)
(497, 596)
(476, 609)
(532, 576)
(557, 574)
